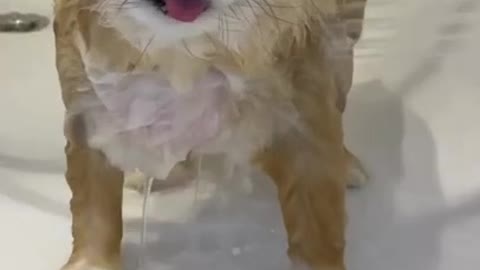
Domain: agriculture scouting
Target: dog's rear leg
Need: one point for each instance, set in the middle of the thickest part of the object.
(311, 188)
(96, 209)
(357, 175)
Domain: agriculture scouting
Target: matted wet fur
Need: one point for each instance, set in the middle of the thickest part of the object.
(288, 68)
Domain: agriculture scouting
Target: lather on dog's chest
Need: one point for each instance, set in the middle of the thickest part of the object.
(147, 82)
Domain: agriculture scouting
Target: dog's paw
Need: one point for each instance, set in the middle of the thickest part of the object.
(135, 181)
(180, 176)
(85, 265)
(357, 175)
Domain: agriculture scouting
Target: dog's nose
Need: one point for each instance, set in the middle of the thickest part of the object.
(186, 10)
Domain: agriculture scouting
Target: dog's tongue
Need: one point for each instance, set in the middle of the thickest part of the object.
(186, 10)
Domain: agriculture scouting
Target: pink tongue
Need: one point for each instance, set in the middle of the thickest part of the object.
(186, 10)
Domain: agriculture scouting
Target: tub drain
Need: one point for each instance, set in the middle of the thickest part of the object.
(19, 22)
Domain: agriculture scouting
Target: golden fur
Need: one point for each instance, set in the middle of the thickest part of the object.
(300, 57)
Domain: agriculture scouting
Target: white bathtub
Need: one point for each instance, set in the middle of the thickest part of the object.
(413, 118)
(34, 231)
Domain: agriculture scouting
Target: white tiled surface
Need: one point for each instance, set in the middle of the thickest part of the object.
(413, 118)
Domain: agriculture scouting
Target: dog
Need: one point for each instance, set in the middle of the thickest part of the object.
(151, 84)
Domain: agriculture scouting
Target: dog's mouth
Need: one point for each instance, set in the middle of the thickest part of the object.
(182, 10)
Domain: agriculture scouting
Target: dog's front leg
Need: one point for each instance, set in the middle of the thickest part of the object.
(311, 193)
(96, 186)
(309, 168)
(95, 205)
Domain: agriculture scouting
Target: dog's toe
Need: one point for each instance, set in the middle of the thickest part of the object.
(135, 180)
(357, 175)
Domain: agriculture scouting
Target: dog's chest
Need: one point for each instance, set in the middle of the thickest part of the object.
(141, 122)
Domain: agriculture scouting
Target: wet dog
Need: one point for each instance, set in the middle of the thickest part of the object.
(152, 84)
